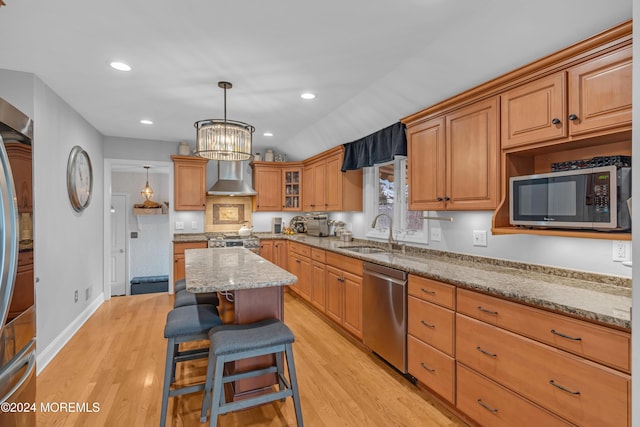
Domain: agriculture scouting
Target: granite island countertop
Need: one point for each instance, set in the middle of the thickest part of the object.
(230, 269)
(601, 298)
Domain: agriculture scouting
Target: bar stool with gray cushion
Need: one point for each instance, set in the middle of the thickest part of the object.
(185, 297)
(228, 343)
(180, 285)
(185, 324)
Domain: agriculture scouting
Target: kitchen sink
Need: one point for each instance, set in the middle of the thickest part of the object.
(363, 249)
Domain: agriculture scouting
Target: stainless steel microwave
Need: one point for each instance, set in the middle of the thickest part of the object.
(593, 198)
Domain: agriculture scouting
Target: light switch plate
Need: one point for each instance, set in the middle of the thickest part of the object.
(179, 225)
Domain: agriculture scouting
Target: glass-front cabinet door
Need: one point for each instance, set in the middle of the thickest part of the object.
(292, 181)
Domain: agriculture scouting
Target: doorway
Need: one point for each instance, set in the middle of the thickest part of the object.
(146, 241)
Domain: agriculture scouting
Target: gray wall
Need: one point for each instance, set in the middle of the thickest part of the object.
(68, 245)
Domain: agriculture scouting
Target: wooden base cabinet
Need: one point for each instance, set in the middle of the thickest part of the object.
(490, 404)
(432, 368)
(431, 331)
(178, 257)
(579, 390)
(299, 264)
(344, 292)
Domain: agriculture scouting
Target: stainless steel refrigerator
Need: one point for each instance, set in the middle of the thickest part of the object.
(17, 302)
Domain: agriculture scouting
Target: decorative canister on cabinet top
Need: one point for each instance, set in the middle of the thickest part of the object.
(268, 156)
(183, 148)
(257, 157)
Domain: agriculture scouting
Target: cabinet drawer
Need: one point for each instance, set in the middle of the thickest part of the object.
(574, 388)
(25, 258)
(300, 249)
(179, 248)
(599, 343)
(318, 255)
(490, 404)
(432, 291)
(431, 323)
(345, 263)
(431, 367)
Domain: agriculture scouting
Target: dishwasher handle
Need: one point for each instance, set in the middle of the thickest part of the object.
(402, 282)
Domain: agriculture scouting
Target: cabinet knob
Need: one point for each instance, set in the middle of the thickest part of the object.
(439, 199)
(573, 117)
(446, 199)
(555, 121)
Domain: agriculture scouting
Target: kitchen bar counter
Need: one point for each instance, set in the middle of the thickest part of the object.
(230, 269)
(601, 298)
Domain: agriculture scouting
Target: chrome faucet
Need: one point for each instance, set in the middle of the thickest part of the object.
(373, 225)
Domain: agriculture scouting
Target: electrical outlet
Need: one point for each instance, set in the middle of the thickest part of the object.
(194, 225)
(87, 294)
(75, 296)
(134, 234)
(436, 234)
(479, 238)
(621, 250)
(179, 225)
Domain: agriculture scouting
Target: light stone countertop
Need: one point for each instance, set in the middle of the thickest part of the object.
(601, 298)
(230, 269)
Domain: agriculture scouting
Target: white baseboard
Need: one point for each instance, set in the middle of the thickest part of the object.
(46, 355)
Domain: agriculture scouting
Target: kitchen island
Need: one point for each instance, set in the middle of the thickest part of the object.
(250, 289)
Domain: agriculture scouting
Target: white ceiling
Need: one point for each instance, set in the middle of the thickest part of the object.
(371, 62)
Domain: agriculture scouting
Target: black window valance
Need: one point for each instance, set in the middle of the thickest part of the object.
(379, 147)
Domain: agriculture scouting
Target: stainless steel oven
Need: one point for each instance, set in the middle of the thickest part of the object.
(234, 240)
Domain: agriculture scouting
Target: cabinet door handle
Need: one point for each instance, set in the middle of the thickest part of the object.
(428, 325)
(484, 310)
(298, 261)
(553, 331)
(433, 371)
(573, 117)
(486, 352)
(553, 383)
(555, 121)
(485, 406)
(428, 292)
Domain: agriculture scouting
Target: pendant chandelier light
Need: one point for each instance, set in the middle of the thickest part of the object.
(223, 139)
(147, 191)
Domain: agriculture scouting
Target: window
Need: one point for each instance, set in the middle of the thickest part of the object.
(387, 192)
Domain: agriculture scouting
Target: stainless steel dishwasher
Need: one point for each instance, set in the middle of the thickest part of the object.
(384, 313)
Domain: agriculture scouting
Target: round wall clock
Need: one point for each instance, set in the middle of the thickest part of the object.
(79, 178)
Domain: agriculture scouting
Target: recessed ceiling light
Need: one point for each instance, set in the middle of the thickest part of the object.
(146, 122)
(308, 95)
(120, 66)
(268, 134)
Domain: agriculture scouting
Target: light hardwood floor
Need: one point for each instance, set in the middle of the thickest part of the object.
(117, 360)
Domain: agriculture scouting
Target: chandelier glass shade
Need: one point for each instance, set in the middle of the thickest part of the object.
(147, 191)
(223, 139)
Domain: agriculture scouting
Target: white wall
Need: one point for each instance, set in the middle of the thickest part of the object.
(68, 245)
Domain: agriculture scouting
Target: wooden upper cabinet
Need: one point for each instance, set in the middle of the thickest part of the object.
(326, 188)
(267, 181)
(600, 93)
(472, 152)
(313, 186)
(599, 101)
(454, 161)
(535, 112)
(426, 153)
(291, 189)
(190, 180)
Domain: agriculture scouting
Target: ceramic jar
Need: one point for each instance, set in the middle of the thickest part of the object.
(269, 156)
